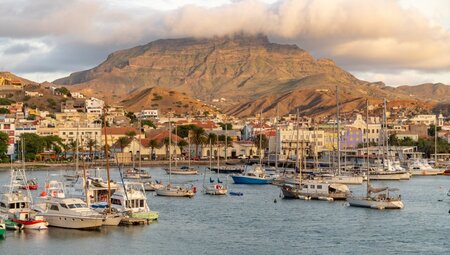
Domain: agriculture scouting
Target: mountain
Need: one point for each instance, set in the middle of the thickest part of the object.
(164, 100)
(249, 72)
(429, 92)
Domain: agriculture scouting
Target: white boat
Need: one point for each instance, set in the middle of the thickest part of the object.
(183, 170)
(152, 185)
(376, 198)
(212, 188)
(171, 190)
(342, 179)
(418, 167)
(318, 190)
(17, 204)
(389, 175)
(136, 173)
(131, 200)
(70, 213)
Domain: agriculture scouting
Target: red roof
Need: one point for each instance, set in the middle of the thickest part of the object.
(119, 130)
(159, 135)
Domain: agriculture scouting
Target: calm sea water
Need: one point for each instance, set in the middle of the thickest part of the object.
(255, 224)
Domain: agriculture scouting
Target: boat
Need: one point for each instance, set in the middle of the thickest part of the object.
(11, 225)
(2, 228)
(131, 200)
(136, 173)
(238, 169)
(152, 185)
(342, 179)
(72, 213)
(419, 167)
(308, 190)
(254, 174)
(375, 198)
(183, 170)
(31, 185)
(171, 190)
(17, 205)
(213, 188)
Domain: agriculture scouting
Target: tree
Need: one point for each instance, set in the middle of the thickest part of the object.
(181, 144)
(64, 91)
(91, 144)
(228, 140)
(153, 144)
(261, 145)
(167, 145)
(33, 145)
(198, 137)
(431, 130)
(4, 142)
(148, 123)
(123, 142)
(183, 130)
(226, 126)
(131, 116)
(4, 111)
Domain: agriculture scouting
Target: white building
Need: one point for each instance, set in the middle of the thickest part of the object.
(76, 95)
(374, 127)
(148, 114)
(7, 125)
(94, 105)
(427, 119)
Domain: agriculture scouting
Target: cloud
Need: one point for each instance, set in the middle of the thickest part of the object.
(363, 36)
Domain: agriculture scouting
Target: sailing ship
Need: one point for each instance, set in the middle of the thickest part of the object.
(174, 190)
(183, 170)
(212, 188)
(375, 198)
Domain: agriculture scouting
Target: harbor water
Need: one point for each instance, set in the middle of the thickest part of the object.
(259, 222)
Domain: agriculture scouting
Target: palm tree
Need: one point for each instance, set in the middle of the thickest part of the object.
(212, 139)
(198, 138)
(181, 144)
(123, 142)
(261, 145)
(153, 144)
(91, 144)
(165, 142)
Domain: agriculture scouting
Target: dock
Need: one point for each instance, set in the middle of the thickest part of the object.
(134, 221)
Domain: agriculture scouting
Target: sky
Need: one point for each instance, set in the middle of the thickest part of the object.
(395, 41)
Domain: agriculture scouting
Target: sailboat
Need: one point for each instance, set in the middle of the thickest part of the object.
(183, 170)
(312, 189)
(212, 188)
(174, 190)
(17, 205)
(256, 174)
(376, 198)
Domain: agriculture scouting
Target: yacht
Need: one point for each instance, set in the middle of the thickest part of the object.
(136, 173)
(316, 190)
(420, 167)
(70, 213)
(183, 170)
(131, 200)
(253, 175)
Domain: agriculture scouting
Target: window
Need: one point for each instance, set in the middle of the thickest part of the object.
(2, 205)
(54, 208)
(64, 205)
(312, 186)
(141, 203)
(319, 186)
(72, 206)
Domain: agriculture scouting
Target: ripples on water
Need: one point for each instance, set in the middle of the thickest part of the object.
(255, 224)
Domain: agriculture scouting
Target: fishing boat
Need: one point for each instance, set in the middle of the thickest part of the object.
(375, 198)
(72, 213)
(171, 190)
(31, 185)
(11, 225)
(254, 174)
(131, 200)
(16, 204)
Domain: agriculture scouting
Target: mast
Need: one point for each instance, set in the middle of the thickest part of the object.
(260, 138)
(316, 160)
(189, 148)
(176, 135)
(107, 164)
(297, 147)
(338, 132)
(276, 139)
(435, 144)
(367, 144)
(218, 156)
(385, 132)
(84, 175)
(170, 150)
(226, 142)
(140, 143)
(76, 149)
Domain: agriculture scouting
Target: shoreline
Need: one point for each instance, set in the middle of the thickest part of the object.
(31, 166)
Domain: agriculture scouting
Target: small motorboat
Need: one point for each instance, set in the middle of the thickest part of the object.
(31, 185)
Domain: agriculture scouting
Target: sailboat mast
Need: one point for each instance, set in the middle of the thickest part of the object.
(276, 139)
(107, 164)
(189, 149)
(176, 135)
(367, 145)
(76, 149)
(140, 143)
(260, 138)
(226, 142)
(385, 132)
(338, 132)
(435, 143)
(297, 147)
(86, 195)
(170, 150)
(218, 155)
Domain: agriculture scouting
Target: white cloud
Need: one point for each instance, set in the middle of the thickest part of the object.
(379, 36)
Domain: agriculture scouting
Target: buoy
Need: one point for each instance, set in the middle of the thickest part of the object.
(275, 200)
(194, 189)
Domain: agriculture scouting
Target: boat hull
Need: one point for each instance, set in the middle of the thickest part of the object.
(73, 222)
(227, 170)
(183, 172)
(237, 179)
(213, 190)
(290, 193)
(426, 172)
(390, 176)
(33, 224)
(174, 193)
(111, 220)
(2, 230)
(350, 180)
(373, 204)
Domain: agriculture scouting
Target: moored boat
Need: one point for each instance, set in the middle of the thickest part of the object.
(256, 175)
